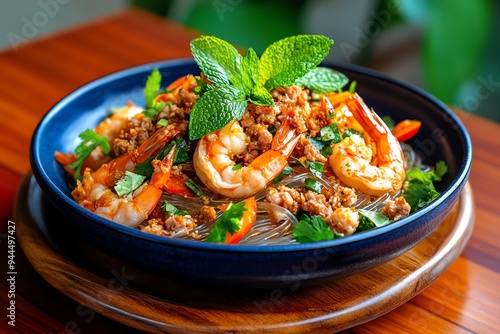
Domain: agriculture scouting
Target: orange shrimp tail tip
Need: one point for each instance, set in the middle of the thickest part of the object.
(162, 169)
(65, 160)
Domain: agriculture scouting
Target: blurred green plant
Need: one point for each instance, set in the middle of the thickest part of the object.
(455, 40)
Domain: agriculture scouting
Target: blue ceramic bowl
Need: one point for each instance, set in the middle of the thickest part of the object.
(442, 137)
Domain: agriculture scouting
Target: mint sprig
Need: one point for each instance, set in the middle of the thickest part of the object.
(284, 61)
(237, 80)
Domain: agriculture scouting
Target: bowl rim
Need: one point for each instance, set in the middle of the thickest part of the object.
(47, 184)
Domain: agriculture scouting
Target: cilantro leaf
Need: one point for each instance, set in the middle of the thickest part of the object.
(311, 229)
(228, 222)
(181, 155)
(313, 185)
(172, 209)
(289, 59)
(129, 183)
(152, 87)
(194, 187)
(215, 109)
(420, 190)
(284, 173)
(316, 168)
(90, 141)
(323, 80)
(371, 219)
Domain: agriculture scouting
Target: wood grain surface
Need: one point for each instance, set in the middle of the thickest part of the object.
(465, 298)
(182, 308)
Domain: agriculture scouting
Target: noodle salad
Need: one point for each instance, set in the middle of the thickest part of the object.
(252, 150)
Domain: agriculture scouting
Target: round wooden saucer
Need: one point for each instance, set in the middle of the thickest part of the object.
(174, 307)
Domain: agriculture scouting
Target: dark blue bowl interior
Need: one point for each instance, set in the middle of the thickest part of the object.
(442, 137)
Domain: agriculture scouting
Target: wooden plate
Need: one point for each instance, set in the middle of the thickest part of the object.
(166, 306)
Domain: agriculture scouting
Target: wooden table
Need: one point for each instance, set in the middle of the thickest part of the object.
(34, 77)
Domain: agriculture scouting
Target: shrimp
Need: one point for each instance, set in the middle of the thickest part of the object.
(214, 165)
(353, 159)
(110, 128)
(108, 173)
(132, 209)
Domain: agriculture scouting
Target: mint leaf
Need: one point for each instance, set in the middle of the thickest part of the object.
(260, 96)
(250, 70)
(228, 222)
(311, 229)
(289, 59)
(216, 108)
(90, 141)
(152, 87)
(129, 183)
(371, 219)
(218, 60)
(323, 80)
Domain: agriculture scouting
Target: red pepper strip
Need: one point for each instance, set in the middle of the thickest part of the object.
(406, 129)
(176, 185)
(246, 222)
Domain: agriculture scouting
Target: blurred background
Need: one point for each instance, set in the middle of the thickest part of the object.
(447, 47)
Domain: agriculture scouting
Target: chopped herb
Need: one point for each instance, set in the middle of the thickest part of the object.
(352, 87)
(316, 168)
(194, 187)
(129, 183)
(350, 132)
(181, 156)
(90, 141)
(420, 190)
(330, 134)
(371, 219)
(228, 222)
(313, 185)
(163, 122)
(236, 167)
(155, 109)
(152, 87)
(326, 151)
(388, 121)
(311, 229)
(284, 173)
(170, 208)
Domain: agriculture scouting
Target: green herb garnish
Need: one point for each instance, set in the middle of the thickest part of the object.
(90, 141)
(237, 80)
(371, 219)
(129, 183)
(311, 229)
(228, 222)
(421, 190)
(152, 87)
(172, 209)
(284, 173)
(194, 187)
(313, 185)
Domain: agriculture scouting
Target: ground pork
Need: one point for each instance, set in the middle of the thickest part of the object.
(396, 209)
